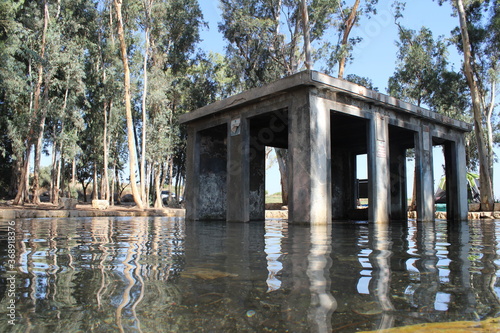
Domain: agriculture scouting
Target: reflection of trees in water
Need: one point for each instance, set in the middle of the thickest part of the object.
(157, 274)
(484, 269)
(413, 273)
(94, 274)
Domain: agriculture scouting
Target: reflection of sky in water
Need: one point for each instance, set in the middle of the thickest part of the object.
(160, 274)
(273, 236)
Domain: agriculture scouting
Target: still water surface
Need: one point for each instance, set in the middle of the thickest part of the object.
(140, 274)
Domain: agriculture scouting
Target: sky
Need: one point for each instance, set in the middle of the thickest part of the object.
(374, 57)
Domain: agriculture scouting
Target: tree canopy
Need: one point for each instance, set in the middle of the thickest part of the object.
(91, 83)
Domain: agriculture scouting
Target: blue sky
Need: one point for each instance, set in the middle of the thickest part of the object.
(374, 58)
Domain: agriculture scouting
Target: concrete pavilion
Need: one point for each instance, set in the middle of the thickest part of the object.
(324, 123)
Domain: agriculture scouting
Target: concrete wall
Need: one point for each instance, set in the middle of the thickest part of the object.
(212, 189)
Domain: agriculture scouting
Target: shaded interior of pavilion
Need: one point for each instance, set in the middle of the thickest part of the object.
(349, 139)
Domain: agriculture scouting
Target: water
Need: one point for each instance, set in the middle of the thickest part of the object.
(140, 274)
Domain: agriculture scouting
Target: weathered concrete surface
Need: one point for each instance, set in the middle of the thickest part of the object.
(211, 151)
(324, 123)
(11, 214)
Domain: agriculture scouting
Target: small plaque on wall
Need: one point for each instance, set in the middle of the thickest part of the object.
(381, 149)
(235, 127)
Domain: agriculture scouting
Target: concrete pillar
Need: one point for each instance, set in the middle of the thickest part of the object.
(425, 177)
(456, 181)
(211, 191)
(192, 172)
(238, 177)
(309, 182)
(343, 183)
(399, 202)
(378, 170)
(257, 177)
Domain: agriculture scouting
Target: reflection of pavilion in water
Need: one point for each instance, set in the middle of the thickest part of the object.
(109, 273)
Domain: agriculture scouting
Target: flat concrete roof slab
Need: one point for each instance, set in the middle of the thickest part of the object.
(314, 79)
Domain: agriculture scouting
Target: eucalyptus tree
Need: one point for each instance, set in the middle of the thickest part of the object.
(128, 103)
(14, 93)
(39, 110)
(43, 83)
(422, 76)
(420, 60)
(71, 23)
(146, 23)
(478, 40)
(174, 32)
(349, 16)
(107, 104)
(260, 52)
(23, 77)
(258, 48)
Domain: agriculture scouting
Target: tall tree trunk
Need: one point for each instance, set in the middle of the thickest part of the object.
(348, 24)
(73, 177)
(36, 167)
(94, 183)
(105, 181)
(147, 8)
(112, 189)
(163, 171)
(307, 35)
(178, 177)
(22, 194)
(128, 106)
(53, 170)
(149, 169)
(41, 123)
(14, 179)
(157, 182)
(57, 162)
(60, 179)
(489, 128)
(118, 185)
(486, 190)
(282, 157)
(170, 176)
(84, 189)
(413, 204)
(22, 191)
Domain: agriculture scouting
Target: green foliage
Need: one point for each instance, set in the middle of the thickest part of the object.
(334, 52)
(479, 42)
(45, 177)
(176, 84)
(258, 49)
(362, 81)
(422, 76)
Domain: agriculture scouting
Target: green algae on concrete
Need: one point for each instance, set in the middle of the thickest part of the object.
(490, 325)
